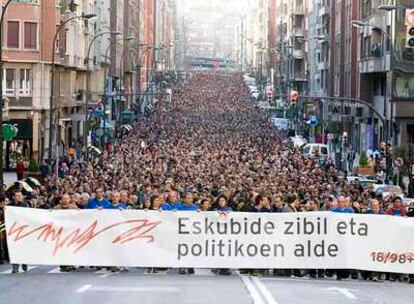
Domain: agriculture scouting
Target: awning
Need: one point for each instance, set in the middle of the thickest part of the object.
(127, 128)
(93, 149)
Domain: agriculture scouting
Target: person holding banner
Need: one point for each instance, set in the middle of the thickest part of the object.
(18, 201)
(65, 204)
(99, 202)
(3, 243)
(186, 205)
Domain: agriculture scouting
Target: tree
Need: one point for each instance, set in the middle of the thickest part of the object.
(363, 160)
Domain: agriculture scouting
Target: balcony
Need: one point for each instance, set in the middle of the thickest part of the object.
(300, 76)
(298, 31)
(374, 64)
(323, 65)
(21, 102)
(323, 10)
(298, 54)
(27, 1)
(298, 8)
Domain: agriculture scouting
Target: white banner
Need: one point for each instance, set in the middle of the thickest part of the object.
(210, 239)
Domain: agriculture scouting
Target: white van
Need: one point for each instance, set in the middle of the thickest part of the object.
(313, 149)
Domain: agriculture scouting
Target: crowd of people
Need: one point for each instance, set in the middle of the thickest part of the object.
(207, 149)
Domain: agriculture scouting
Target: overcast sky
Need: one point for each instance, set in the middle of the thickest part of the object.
(226, 5)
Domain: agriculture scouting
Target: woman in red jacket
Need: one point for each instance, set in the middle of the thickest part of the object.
(20, 169)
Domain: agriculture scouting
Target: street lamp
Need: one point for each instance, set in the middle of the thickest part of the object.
(3, 11)
(122, 69)
(52, 82)
(387, 126)
(88, 84)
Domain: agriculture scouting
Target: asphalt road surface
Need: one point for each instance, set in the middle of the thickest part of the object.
(45, 284)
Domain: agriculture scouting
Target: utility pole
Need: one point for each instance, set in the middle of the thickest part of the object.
(3, 11)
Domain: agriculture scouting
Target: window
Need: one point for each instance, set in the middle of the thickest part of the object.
(25, 88)
(9, 81)
(13, 28)
(30, 35)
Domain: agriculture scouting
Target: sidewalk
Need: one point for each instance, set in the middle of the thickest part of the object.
(9, 177)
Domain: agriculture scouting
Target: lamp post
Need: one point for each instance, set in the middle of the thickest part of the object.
(139, 67)
(3, 11)
(88, 86)
(387, 126)
(129, 38)
(52, 83)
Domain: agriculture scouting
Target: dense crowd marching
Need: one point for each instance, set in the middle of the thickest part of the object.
(207, 149)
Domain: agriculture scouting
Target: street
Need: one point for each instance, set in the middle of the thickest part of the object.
(89, 286)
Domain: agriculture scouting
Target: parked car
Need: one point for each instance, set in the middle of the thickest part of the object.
(316, 149)
(298, 141)
(386, 190)
(363, 180)
(280, 123)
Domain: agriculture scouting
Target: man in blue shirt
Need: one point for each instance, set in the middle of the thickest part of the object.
(187, 204)
(99, 202)
(172, 201)
(116, 201)
(342, 206)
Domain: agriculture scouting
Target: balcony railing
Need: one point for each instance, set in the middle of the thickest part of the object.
(27, 1)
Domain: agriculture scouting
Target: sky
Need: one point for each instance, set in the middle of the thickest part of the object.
(226, 5)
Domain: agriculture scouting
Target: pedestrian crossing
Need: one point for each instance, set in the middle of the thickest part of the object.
(103, 272)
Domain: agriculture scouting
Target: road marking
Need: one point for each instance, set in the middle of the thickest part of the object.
(56, 270)
(257, 299)
(90, 287)
(105, 275)
(203, 272)
(265, 292)
(344, 292)
(84, 288)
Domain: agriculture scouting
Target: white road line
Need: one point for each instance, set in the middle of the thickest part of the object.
(257, 299)
(105, 275)
(265, 292)
(56, 270)
(344, 292)
(203, 272)
(6, 271)
(84, 288)
(128, 288)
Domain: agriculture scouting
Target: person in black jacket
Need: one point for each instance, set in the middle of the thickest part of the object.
(18, 201)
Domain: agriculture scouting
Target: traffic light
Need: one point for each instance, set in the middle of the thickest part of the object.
(269, 95)
(294, 96)
(409, 22)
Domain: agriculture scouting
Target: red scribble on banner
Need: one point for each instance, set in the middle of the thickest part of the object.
(78, 238)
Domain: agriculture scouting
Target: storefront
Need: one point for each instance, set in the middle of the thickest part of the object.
(21, 146)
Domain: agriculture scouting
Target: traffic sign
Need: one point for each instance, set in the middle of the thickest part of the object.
(313, 121)
(9, 131)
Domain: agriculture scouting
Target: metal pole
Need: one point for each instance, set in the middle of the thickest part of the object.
(88, 89)
(3, 11)
(52, 84)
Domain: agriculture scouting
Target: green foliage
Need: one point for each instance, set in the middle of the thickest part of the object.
(33, 165)
(363, 160)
